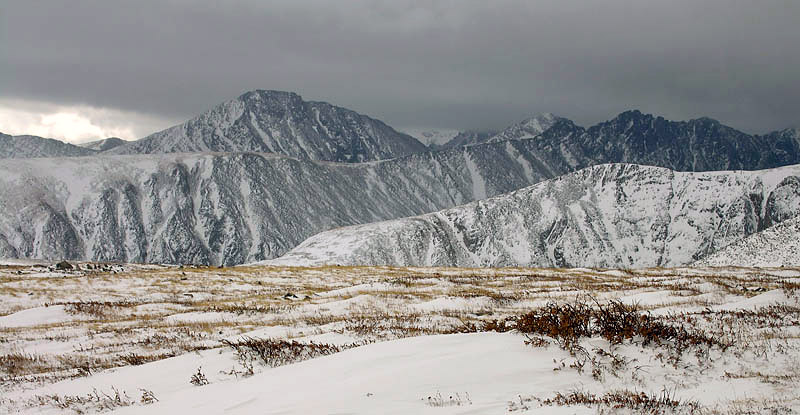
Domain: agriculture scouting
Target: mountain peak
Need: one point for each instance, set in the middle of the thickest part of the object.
(631, 115)
(270, 94)
(540, 122)
(528, 128)
(281, 122)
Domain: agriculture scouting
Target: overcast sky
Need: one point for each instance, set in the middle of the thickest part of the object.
(77, 69)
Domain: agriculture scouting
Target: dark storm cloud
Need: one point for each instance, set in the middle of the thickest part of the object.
(458, 64)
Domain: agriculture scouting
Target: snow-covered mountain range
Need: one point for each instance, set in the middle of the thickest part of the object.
(227, 208)
(229, 202)
(696, 145)
(615, 215)
(31, 146)
(281, 123)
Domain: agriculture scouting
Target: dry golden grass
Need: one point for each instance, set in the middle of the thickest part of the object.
(135, 314)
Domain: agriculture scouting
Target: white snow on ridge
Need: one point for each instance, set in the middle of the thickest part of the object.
(430, 136)
(612, 215)
(775, 246)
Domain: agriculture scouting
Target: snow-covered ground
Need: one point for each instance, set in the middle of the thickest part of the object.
(361, 340)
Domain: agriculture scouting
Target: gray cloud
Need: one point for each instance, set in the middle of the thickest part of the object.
(457, 64)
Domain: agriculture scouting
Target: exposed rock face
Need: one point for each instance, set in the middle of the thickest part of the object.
(616, 215)
(696, 145)
(633, 137)
(281, 123)
(30, 146)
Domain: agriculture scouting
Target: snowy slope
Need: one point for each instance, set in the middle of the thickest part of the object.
(468, 138)
(431, 137)
(104, 144)
(394, 377)
(749, 314)
(227, 208)
(29, 146)
(604, 216)
(282, 123)
(528, 128)
(775, 246)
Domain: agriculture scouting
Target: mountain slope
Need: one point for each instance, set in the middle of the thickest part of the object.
(697, 145)
(30, 146)
(467, 138)
(104, 144)
(433, 138)
(227, 208)
(528, 128)
(775, 246)
(615, 215)
(281, 123)
(235, 208)
(633, 137)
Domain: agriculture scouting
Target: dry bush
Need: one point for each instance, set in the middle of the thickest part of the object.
(135, 359)
(274, 353)
(790, 287)
(16, 364)
(439, 401)
(198, 378)
(97, 309)
(96, 401)
(615, 322)
(773, 316)
(639, 402)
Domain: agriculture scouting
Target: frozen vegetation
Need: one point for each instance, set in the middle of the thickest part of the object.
(165, 339)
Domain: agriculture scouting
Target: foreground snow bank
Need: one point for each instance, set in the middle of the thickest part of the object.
(397, 377)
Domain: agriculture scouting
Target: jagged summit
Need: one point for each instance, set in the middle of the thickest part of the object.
(528, 128)
(700, 144)
(283, 123)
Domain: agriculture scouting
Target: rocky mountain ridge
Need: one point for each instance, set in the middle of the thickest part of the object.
(31, 146)
(607, 216)
(226, 208)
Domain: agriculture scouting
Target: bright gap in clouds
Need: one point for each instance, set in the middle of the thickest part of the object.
(76, 123)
